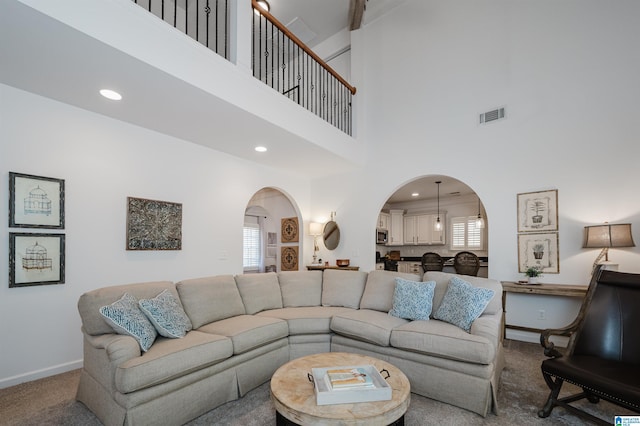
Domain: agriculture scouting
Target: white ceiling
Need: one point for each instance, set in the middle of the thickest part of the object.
(44, 56)
(427, 189)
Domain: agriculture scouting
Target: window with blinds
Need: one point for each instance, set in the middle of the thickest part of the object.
(464, 233)
(251, 248)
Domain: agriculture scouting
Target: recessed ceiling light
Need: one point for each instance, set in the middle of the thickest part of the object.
(260, 149)
(415, 194)
(111, 94)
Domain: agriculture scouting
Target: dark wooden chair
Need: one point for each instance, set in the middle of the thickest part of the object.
(466, 263)
(432, 262)
(603, 354)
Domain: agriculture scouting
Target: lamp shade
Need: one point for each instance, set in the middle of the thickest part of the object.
(315, 229)
(605, 236)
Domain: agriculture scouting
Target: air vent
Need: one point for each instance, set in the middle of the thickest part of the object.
(489, 116)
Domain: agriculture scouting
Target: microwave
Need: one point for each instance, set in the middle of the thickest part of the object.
(382, 236)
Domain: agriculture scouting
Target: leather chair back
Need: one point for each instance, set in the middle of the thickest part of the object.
(611, 327)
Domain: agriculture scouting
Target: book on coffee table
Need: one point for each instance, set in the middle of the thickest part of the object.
(349, 378)
(355, 388)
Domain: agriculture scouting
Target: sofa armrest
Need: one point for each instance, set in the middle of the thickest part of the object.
(488, 326)
(119, 348)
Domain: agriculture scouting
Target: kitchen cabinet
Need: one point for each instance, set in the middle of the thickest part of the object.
(383, 221)
(419, 229)
(396, 226)
(410, 267)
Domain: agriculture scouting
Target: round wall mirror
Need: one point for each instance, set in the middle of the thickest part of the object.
(331, 235)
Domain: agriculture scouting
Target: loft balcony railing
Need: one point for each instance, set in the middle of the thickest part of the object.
(279, 58)
(206, 21)
(286, 64)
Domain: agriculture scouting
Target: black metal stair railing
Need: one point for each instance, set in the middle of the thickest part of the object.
(206, 21)
(286, 64)
(280, 59)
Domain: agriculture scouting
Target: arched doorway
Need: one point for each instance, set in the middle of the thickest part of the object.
(263, 248)
(406, 224)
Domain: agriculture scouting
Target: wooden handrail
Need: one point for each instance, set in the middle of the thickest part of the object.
(304, 47)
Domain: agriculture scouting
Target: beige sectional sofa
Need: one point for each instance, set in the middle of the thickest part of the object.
(244, 327)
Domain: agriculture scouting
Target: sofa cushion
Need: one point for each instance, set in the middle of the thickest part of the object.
(379, 288)
(342, 288)
(307, 320)
(442, 283)
(367, 325)
(125, 316)
(444, 340)
(248, 331)
(210, 299)
(171, 358)
(300, 288)
(166, 314)
(259, 292)
(463, 303)
(90, 302)
(412, 300)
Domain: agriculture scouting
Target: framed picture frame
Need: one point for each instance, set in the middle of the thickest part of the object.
(35, 201)
(36, 259)
(538, 211)
(289, 258)
(540, 249)
(153, 224)
(289, 230)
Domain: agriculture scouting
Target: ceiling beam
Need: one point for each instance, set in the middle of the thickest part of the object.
(356, 11)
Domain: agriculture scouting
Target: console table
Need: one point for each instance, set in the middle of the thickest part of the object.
(565, 290)
(322, 267)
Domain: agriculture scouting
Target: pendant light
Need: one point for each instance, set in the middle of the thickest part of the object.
(438, 225)
(479, 220)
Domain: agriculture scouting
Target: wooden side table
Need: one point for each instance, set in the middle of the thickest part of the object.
(322, 268)
(565, 290)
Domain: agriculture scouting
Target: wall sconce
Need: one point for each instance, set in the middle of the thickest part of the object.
(315, 230)
(604, 237)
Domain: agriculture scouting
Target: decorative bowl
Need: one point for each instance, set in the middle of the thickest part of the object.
(342, 262)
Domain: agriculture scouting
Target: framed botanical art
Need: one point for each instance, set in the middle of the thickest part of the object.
(538, 211)
(289, 258)
(35, 201)
(153, 225)
(539, 250)
(289, 230)
(36, 259)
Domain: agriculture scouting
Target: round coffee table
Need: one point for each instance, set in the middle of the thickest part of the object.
(294, 397)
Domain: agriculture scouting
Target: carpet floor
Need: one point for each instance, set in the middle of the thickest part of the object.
(522, 392)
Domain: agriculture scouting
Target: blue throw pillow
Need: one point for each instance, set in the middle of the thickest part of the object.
(166, 314)
(125, 317)
(412, 300)
(463, 303)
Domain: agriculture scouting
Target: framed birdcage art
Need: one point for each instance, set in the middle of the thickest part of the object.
(35, 201)
(36, 259)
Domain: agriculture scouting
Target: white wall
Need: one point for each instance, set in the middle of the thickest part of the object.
(567, 73)
(102, 162)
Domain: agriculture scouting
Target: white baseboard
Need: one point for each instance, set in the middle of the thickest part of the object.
(39, 374)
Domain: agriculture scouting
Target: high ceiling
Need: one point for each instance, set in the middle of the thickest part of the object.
(44, 56)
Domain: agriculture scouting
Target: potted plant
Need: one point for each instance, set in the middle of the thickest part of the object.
(537, 207)
(533, 273)
(538, 251)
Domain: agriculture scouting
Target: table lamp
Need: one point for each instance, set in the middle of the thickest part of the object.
(604, 237)
(315, 230)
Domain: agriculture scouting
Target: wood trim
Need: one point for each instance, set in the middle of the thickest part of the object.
(304, 47)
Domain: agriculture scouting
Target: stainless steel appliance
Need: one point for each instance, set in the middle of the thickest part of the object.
(382, 236)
